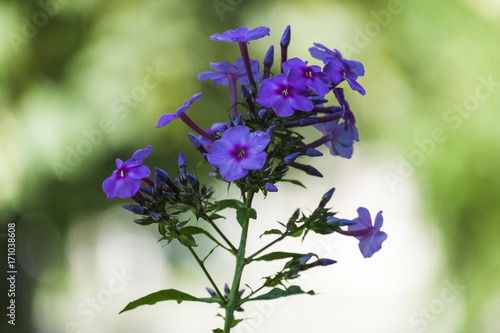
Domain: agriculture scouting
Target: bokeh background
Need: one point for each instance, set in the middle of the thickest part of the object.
(74, 95)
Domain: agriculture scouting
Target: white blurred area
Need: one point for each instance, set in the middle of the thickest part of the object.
(354, 295)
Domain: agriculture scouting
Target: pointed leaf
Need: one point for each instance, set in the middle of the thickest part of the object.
(294, 182)
(272, 232)
(167, 295)
(245, 213)
(279, 255)
(277, 293)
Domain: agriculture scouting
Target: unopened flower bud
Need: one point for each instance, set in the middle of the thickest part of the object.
(211, 292)
(307, 122)
(134, 209)
(269, 58)
(313, 152)
(160, 177)
(271, 187)
(292, 157)
(285, 39)
(244, 92)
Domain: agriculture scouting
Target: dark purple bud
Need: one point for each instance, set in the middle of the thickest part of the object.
(244, 92)
(154, 215)
(240, 292)
(238, 119)
(285, 39)
(269, 58)
(146, 190)
(313, 172)
(192, 180)
(134, 209)
(307, 122)
(305, 258)
(209, 193)
(263, 113)
(182, 160)
(271, 188)
(227, 291)
(336, 222)
(160, 177)
(290, 158)
(194, 140)
(270, 131)
(318, 99)
(211, 292)
(326, 261)
(313, 152)
(328, 195)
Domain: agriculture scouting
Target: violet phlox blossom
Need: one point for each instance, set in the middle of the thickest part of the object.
(338, 68)
(238, 151)
(279, 94)
(336, 137)
(370, 237)
(301, 76)
(168, 117)
(226, 70)
(125, 181)
(241, 35)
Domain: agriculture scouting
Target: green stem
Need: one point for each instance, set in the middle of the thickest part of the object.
(212, 223)
(267, 246)
(233, 299)
(198, 260)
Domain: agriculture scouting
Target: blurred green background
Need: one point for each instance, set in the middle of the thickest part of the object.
(74, 95)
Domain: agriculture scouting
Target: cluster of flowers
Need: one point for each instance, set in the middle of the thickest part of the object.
(262, 139)
(253, 150)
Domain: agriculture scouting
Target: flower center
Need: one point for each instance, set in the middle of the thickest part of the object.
(240, 153)
(284, 92)
(122, 173)
(309, 73)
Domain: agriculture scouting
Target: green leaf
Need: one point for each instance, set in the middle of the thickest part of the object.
(187, 240)
(229, 203)
(217, 330)
(277, 293)
(192, 230)
(272, 232)
(245, 213)
(279, 255)
(167, 295)
(294, 182)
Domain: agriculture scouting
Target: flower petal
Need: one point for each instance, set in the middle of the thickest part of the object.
(139, 172)
(166, 118)
(232, 170)
(253, 161)
(237, 135)
(257, 142)
(109, 185)
(220, 153)
(126, 187)
(141, 154)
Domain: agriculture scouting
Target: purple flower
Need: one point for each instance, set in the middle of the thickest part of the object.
(241, 35)
(301, 76)
(238, 151)
(126, 179)
(370, 237)
(279, 94)
(226, 69)
(338, 68)
(347, 115)
(336, 137)
(168, 117)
